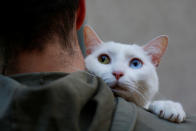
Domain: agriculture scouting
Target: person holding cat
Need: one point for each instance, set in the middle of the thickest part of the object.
(39, 88)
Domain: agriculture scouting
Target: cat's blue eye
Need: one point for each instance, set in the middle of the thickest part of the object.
(136, 63)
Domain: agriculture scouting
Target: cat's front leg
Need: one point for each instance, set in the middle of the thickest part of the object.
(168, 110)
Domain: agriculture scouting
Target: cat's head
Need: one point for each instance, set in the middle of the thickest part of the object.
(130, 70)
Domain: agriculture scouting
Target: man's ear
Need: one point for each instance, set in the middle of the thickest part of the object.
(156, 48)
(90, 39)
(81, 13)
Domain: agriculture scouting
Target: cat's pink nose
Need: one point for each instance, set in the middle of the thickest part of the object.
(118, 75)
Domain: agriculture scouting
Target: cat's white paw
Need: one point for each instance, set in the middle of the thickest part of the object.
(168, 110)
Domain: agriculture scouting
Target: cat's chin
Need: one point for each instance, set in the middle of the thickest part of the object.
(118, 86)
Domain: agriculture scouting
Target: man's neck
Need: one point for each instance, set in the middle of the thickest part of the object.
(53, 58)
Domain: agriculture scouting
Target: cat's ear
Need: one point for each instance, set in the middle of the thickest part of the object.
(91, 39)
(156, 48)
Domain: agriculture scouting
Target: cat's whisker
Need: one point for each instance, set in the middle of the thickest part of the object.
(139, 93)
(106, 77)
(142, 88)
(133, 88)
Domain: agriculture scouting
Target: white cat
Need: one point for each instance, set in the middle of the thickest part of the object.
(130, 71)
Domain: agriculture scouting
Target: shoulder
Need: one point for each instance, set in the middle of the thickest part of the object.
(129, 116)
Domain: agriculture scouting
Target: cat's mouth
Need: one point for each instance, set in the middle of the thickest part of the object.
(119, 86)
(122, 91)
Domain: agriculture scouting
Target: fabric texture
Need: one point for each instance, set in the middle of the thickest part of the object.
(55, 102)
(73, 102)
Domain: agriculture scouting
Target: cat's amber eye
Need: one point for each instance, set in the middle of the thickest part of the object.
(104, 59)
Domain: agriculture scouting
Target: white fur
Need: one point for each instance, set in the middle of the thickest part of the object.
(120, 56)
(169, 110)
(137, 85)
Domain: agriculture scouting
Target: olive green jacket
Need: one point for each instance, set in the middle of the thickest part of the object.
(74, 102)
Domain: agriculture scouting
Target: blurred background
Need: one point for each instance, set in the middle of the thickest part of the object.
(139, 21)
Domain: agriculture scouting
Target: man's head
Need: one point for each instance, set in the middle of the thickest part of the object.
(28, 25)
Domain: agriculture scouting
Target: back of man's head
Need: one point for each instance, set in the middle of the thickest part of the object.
(28, 24)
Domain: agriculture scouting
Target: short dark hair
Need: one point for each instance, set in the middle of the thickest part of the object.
(26, 24)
